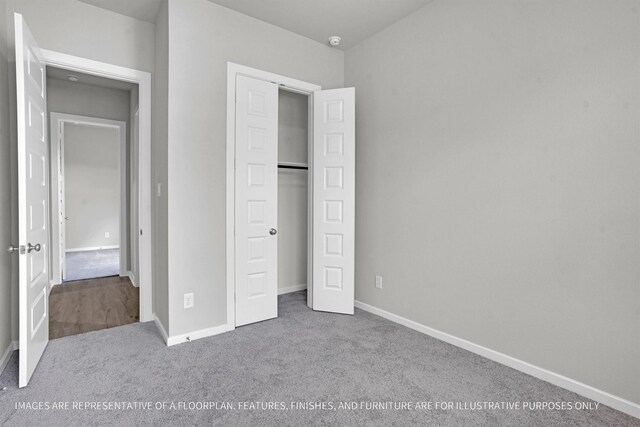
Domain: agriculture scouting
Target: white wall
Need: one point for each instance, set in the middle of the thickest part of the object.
(75, 28)
(5, 191)
(498, 147)
(292, 190)
(88, 100)
(87, 31)
(92, 186)
(202, 38)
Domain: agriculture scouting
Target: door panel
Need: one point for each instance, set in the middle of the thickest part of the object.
(334, 200)
(33, 201)
(256, 204)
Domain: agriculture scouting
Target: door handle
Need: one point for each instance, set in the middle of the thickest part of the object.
(31, 248)
(273, 231)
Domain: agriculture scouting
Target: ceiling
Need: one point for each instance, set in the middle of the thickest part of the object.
(145, 10)
(353, 20)
(60, 74)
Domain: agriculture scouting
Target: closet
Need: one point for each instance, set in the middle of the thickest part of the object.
(291, 152)
(293, 194)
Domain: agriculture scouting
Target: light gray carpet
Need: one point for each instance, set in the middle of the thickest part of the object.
(301, 356)
(91, 264)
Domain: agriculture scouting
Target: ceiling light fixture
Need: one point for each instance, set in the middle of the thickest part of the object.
(73, 78)
(334, 41)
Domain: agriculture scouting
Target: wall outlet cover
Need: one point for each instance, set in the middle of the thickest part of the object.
(379, 282)
(188, 300)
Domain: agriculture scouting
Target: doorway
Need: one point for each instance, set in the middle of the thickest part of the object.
(90, 212)
(252, 194)
(139, 130)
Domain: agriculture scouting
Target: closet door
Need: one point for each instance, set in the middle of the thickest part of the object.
(256, 203)
(334, 200)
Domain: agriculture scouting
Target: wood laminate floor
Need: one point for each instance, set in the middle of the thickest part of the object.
(91, 305)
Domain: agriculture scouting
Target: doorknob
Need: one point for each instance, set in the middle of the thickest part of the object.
(31, 248)
(273, 231)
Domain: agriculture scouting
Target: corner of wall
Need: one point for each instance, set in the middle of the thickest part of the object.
(159, 170)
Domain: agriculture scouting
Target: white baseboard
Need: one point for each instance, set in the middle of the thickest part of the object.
(91, 248)
(4, 358)
(160, 327)
(582, 389)
(133, 279)
(294, 288)
(202, 333)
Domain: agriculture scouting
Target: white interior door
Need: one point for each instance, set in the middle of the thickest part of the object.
(33, 199)
(256, 204)
(334, 200)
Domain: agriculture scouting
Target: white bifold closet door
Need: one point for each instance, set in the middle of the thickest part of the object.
(256, 203)
(33, 201)
(334, 200)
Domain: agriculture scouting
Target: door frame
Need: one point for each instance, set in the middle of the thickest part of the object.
(133, 161)
(143, 79)
(58, 241)
(284, 83)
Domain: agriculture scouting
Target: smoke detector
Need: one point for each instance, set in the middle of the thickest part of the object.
(73, 78)
(334, 41)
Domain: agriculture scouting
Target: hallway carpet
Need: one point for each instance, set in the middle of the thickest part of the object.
(284, 370)
(91, 264)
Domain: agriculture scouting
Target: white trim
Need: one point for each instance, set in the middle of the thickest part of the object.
(160, 327)
(294, 288)
(91, 248)
(4, 359)
(134, 232)
(202, 333)
(131, 275)
(582, 389)
(286, 83)
(143, 79)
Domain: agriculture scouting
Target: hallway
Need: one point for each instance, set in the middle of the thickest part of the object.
(92, 305)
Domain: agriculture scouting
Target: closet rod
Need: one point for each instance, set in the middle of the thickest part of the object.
(292, 165)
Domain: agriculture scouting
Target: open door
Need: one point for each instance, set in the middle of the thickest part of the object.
(256, 204)
(334, 200)
(33, 200)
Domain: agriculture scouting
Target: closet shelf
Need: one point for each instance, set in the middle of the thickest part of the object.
(292, 165)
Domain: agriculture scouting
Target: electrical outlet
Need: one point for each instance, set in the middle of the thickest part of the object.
(106, 235)
(159, 189)
(379, 282)
(188, 300)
